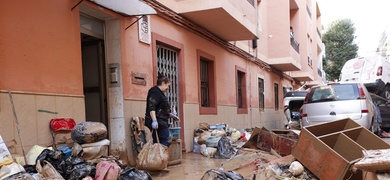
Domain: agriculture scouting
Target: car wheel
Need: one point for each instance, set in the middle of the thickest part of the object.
(375, 127)
(386, 93)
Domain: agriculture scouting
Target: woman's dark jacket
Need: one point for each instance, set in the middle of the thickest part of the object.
(157, 101)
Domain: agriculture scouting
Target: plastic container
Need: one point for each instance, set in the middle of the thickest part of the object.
(175, 132)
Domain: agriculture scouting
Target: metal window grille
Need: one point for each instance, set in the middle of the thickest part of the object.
(204, 83)
(276, 91)
(167, 64)
(261, 93)
(240, 76)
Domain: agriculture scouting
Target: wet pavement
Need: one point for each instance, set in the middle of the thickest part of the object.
(193, 166)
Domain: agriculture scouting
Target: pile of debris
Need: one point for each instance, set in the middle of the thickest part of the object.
(336, 150)
(81, 154)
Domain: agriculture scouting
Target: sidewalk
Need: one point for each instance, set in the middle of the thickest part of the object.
(193, 166)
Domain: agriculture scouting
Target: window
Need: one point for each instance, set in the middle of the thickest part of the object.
(207, 93)
(261, 93)
(240, 76)
(204, 83)
(242, 107)
(276, 91)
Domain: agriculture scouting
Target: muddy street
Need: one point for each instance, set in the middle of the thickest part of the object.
(193, 166)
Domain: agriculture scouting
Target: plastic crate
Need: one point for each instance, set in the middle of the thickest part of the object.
(175, 132)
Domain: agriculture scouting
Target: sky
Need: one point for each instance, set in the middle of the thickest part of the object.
(370, 19)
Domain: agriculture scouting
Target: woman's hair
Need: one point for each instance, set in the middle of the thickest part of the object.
(161, 78)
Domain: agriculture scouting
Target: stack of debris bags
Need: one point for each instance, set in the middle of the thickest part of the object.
(218, 141)
(267, 155)
(90, 137)
(88, 159)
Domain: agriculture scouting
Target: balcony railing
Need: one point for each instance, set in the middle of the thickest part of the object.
(294, 44)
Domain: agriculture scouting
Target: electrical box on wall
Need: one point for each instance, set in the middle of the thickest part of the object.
(114, 75)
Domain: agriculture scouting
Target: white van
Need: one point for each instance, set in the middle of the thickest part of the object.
(372, 71)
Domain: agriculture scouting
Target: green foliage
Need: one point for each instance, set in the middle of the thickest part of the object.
(340, 47)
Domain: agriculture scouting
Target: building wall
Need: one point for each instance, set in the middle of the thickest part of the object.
(33, 113)
(40, 64)
(40, 47)
(40, 61)
(225, 63)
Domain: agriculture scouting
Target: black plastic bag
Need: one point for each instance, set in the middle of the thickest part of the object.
(214, 174)
(130, 173)
(81, 170)
(55, 158)
(30, 168)
(225, 149)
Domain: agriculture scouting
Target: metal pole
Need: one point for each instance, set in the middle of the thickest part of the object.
(17, 125)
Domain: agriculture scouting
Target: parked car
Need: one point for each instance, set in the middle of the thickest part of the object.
(293, 101)
(337, 101)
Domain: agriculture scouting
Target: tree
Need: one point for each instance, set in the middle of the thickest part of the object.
(340, 47)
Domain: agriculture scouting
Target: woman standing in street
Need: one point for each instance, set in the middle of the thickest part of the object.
(158, 111)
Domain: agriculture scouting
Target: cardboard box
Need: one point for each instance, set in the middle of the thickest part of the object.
(5, 155)
(328, 150)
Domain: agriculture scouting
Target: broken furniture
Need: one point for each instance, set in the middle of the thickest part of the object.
(330, 149)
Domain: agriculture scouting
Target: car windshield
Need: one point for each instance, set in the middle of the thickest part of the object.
(296, 94)
(334, 92)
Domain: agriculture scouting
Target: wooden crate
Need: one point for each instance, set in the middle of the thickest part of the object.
(328, 150)
(175, 152)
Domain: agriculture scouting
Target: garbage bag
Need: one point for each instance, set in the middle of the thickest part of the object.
(82, 170)
(30, 168)
(89, 132)
(106, 170)
(220, 174)
(235, 135)
(154, 156)
(225, 149)
(196, 146)
(130, 173)
(212, 141)
(33, 153)
(55, 158)
(77, 168)
(19, 176)
(207, 151)
(47, 171)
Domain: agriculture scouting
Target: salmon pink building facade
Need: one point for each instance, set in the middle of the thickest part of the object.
(230, 61)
